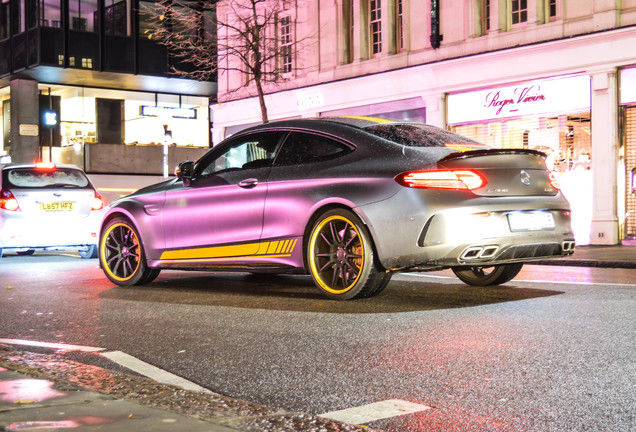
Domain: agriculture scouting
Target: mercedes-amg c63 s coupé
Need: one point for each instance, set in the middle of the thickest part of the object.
(350, 201)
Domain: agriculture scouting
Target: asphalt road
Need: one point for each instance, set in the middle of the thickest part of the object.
(553, 350)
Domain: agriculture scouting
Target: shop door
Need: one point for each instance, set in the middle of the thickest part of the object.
(630, 170)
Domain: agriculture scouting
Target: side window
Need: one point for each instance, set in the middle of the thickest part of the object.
(300, 148)
(254, 151)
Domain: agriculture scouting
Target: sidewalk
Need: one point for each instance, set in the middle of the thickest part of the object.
(597, 256)
(50, 392)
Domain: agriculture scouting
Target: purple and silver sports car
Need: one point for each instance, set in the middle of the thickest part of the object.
(349, 201)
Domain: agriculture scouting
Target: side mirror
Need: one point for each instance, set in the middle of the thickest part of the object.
(185, 172)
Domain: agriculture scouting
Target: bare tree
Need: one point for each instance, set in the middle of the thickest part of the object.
(247, 39)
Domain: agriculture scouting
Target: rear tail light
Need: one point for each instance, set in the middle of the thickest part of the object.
(98, 202)
(442, 179)
(8, 201)
(554, 181)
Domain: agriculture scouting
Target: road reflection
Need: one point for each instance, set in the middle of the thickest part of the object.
(297, 293)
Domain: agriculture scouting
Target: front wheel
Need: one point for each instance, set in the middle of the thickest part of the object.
(121, 254)
(341, 257)
(482, 276)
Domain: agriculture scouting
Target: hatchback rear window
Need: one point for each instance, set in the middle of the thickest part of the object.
(38, 179)
(421, 135)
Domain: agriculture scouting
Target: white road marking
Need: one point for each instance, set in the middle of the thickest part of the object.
(375, 411)
(151, 371)
(56, 346)
(122, 359)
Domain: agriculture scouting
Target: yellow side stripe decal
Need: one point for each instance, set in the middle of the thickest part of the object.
(261, 250)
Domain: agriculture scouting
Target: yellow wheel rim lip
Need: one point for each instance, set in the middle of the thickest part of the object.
(102, 251)
(312, 244)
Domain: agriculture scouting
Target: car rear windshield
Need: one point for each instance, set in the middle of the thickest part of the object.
(421, 135)
(34, 178)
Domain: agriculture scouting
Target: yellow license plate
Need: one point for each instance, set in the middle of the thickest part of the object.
(58, 206)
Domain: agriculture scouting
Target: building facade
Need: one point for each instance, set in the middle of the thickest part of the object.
(83, 82)
(554, 75)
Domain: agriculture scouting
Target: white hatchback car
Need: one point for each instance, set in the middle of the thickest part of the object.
(50, 207)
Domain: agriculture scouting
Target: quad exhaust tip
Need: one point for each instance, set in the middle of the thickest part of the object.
(568, 246)
(478, 252)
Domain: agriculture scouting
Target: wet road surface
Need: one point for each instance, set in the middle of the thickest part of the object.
(551, 350)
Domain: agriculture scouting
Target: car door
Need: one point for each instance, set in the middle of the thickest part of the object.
(223, 205)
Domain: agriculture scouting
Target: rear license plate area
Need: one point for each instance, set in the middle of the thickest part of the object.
(531, 221)
(57, 206)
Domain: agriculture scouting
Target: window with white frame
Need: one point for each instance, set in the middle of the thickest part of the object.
(552, 4)
(347, 31)
(485, 16)
(286, 45)
(399, 24)
(519, 11)
(375, 26)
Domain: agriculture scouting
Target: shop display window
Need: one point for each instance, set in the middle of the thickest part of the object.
(566, 141)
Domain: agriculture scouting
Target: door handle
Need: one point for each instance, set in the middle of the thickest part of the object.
(248, 183)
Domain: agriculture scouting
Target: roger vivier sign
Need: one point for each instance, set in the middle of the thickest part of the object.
(550, 96)
(511, 103)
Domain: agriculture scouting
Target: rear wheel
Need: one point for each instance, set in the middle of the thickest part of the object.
(122, 256)
(341, 257)
(482, 276)
(27, 252)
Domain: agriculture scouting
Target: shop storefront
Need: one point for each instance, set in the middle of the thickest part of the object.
(115, 131)
(550, 115)
(628, 117)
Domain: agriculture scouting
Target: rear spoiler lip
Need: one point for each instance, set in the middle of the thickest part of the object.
(476, 153)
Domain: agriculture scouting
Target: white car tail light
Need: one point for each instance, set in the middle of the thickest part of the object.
(98, 202)
(8, 201)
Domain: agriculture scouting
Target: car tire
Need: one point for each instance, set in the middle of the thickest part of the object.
(122, 256)
(89, 253)
(27, 252)
(341, 257)
(482, 276)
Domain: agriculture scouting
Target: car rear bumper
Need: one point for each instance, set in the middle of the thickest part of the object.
(473, 232)
(34, 234)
